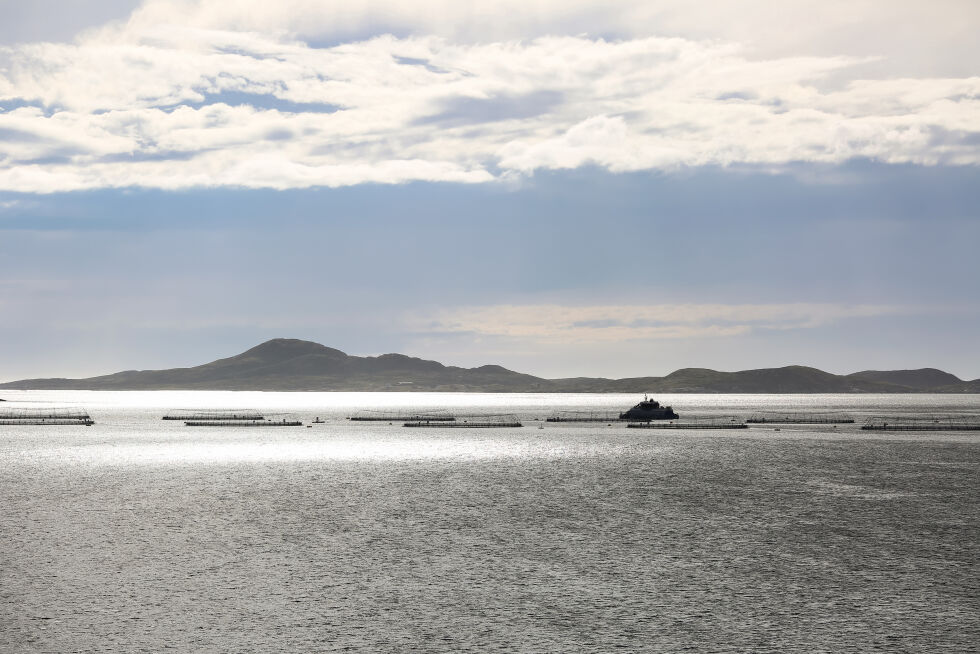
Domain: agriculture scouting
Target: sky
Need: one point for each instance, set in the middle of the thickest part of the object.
(570, 188)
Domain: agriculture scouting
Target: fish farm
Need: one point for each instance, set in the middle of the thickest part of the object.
(401, 416)
(800, 418)
(463, 422)
(585, 416)
(923, 423)
(225, 414)
(48, 416)
(712, 422)
(243, 423)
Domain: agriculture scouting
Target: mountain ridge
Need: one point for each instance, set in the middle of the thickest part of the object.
(284, 364)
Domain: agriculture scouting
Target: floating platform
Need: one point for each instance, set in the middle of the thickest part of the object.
(48, 421)
(401, 416)
(923, 423)
(720, 422)
(225, 414)
(586, 416)
(46, 416)
(464, 422)
(243, 423)
(800, 418)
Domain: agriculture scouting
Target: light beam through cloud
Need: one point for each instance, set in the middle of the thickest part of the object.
(617, 323)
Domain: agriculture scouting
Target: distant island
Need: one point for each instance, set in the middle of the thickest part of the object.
(284, 364)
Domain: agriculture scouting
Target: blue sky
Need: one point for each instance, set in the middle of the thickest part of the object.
(613, 189)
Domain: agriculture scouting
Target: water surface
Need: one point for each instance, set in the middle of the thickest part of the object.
(143, 535)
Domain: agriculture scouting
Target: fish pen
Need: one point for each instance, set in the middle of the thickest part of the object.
(463, 422)
(708, 422)
(403, 416)
(46, 416)
(585, 416)
(223, 414)
(923, 423)
(800, 418)
(243, 423)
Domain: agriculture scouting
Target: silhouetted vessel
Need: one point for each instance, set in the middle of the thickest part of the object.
(649, 410)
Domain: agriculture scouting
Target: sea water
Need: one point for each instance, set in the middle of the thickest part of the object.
(143, 535)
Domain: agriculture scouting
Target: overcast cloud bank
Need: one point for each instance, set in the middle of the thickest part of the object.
(156, 104)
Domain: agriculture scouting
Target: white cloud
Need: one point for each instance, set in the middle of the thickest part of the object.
(184, 95)
(938, 36)
(617, 323)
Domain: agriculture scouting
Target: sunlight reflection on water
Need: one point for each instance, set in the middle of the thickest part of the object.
(254, 451)
(138, 534)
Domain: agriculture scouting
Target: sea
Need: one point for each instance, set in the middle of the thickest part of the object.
(137, 534)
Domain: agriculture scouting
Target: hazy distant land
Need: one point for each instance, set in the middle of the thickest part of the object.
(295, 365)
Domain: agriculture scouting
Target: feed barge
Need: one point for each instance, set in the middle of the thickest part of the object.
(48, 416)
(649, 410)
(713, 422)
(923, 423)
(800, 418)
(460, 422)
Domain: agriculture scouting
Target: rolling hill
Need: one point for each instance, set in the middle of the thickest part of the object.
(294, 365)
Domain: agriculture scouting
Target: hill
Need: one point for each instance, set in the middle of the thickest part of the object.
(923, 378)
(284, 364)
(293, 365)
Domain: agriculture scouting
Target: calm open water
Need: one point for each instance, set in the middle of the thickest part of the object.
(139, 535)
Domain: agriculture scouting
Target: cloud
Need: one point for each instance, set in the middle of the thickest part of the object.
(186, 94)
(938, 36)
(617, 323)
